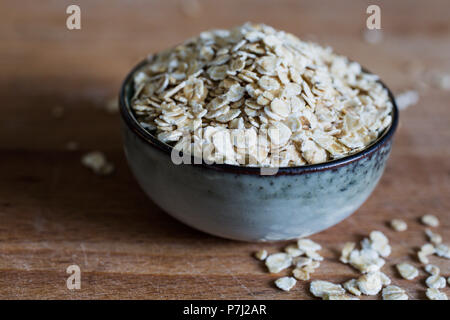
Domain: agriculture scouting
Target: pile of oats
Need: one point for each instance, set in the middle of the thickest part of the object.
(256, 96)
(369, 259)
(302, 256)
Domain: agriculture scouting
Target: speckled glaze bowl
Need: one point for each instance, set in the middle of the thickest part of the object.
(237, 202)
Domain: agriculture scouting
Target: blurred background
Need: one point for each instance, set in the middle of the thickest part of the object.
(58, 89)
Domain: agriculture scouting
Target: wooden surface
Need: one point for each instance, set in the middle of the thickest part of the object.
(55, 213)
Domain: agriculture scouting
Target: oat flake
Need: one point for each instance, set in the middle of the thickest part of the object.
(407, 271)
(278, 261)
(394, 293)
(285, 283)
(320, 288)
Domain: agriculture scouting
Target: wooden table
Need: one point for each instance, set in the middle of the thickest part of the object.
(55, 213)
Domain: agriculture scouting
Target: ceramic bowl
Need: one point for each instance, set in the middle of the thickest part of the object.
(237, 202)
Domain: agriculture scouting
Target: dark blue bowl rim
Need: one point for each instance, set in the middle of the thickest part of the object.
(133, 124)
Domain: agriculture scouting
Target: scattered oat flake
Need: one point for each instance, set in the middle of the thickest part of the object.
(278, 261)
(432, 269)
(435, 294)
(314, 255)
(301, 261)
(394, 293)
(424, 252)
(366, 260)
(435, 281)
(399, 225)
(352, 287)
(443, 251)
(407, 271)
(406, 99)
(339, 297)
(308, 245)
(96, 161)
(433, 237)
(346, 250)
(261, 255)
(378, 242)
(422, 257)
(320, 288)
(428, 248)
(385, 280)
(293, 250)
(301, 274)
(430, 220)
(370, 283)
(285, 283)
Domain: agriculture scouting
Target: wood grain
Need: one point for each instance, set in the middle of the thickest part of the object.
(54, 212)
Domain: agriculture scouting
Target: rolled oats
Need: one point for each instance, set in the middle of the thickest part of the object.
(394, 293)
(261, 255)
(278, 261)
(435, 294)
(430, 220)
(338, 297)
(352, 287)
(309, 104)
(435, 281)
(308, 245)
(312, 266)
(366, 260)
(301, 261)
(285, 283)
(432, 269)
(385, 280)
(378, 242)
(424, 252)
(443, 251)
(346, 250)
(314, 255)
(320, 288)
(96, 161)
(407, 271)
(293, 251)
(399, 225)
(301, 274)
(433, 237)
(370, 283)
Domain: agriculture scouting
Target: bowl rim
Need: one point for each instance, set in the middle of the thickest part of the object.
(132, 123)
